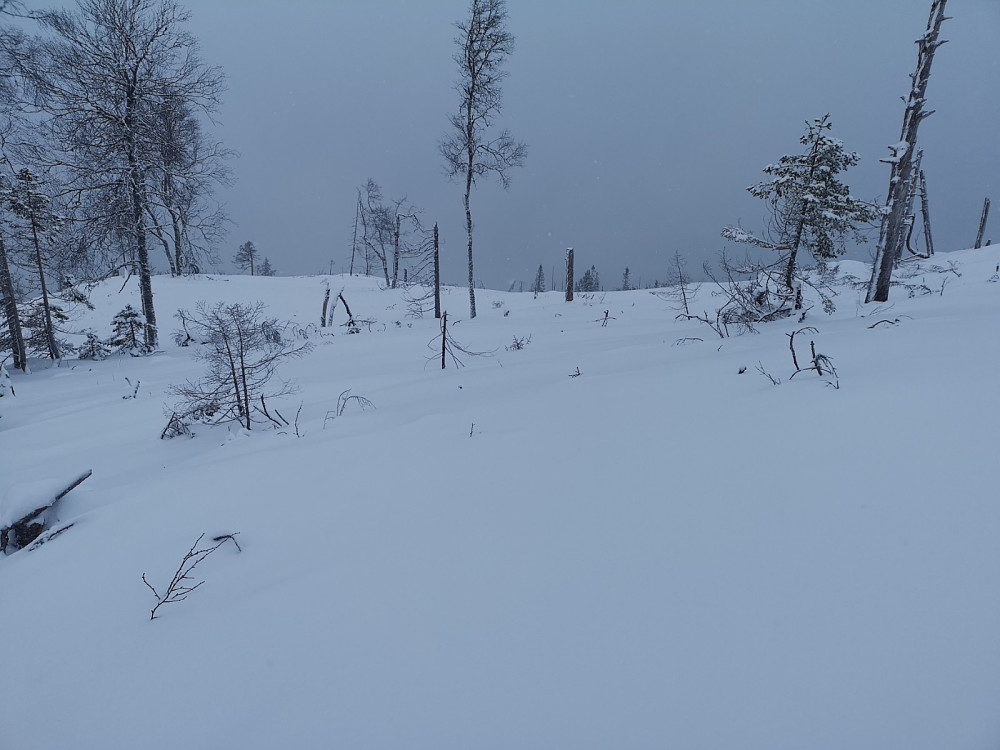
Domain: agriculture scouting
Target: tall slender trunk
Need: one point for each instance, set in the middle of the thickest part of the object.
(925, 209)
(395, 255)
(437, 275)
(468, 229)
(444, 338)
(10, 312)
(175, 220)
(569, 274)
(157, 231)
(469, 172)
(801, 225)
(50, 335)
(982, 225)
(145, 274)
(892, 233)
(354, 244)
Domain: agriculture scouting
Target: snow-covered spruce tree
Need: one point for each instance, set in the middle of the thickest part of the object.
(626, 281)
(810, 207)
(36, 321)
(590, 281)
(246, 257)
(93, 348)
(126, 333)
(242, 353)
(539, 286)
(5, 386)
(266, 269)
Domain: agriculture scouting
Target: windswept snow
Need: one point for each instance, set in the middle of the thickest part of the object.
(661, 552)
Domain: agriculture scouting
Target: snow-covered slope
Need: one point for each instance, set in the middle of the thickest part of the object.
(660, 552)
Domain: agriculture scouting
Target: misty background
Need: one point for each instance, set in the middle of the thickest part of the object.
(645, 122)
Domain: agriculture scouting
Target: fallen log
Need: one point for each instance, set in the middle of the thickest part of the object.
(23, 511)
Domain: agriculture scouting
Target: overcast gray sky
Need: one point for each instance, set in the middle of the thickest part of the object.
(645, 120)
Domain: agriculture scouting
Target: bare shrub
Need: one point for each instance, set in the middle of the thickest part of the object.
(242, 351)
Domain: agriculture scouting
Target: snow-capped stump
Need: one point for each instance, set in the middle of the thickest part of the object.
(26, 509)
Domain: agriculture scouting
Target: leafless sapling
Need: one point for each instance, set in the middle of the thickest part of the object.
(242, 352)
(183, 582)
(449, 348)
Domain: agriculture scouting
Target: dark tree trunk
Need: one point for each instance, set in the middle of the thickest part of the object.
(395, 254)
(893, 233)
(326, 303)
(982, 224)
(569, 274)
(139, 227)
(10, 312)
(179, 263)
(444, 338)
(468, 229)
(470, 135)
(50, 334)
(437, 275)
(926, 211)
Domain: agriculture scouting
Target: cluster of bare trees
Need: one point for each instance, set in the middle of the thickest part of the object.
(389, 234)
(102, 136)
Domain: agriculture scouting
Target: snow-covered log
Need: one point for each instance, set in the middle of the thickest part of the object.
(25, 509)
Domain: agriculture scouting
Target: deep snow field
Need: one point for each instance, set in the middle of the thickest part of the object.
(659, 553)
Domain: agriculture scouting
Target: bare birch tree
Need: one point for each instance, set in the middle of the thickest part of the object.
(98, 80)
(469, 148)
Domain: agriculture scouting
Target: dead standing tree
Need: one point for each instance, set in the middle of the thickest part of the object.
(569, 274)
(894, 225)
(982, 224)
(483, 46)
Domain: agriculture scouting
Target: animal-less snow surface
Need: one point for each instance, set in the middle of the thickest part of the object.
(659, 553)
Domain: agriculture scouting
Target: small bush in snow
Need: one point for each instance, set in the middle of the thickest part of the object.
(519, 343)
(93, 348)
(242, 352)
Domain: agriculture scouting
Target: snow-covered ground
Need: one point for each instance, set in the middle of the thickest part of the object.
(659, 553)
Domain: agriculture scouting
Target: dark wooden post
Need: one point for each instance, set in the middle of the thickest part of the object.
(569, 274)
(444, 337)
